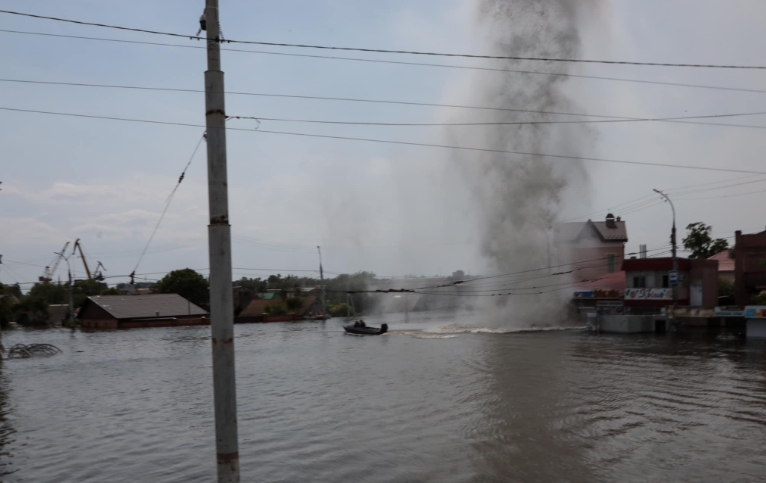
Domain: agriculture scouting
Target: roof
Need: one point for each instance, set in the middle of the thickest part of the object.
(146, 306)
(258, 306)
(573, 231)
(725, 262)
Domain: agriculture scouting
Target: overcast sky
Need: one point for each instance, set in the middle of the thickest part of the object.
(390, 209)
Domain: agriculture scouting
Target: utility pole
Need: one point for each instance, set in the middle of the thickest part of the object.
(219, 247)
(675, 258)
(69, 271)
(321, 282)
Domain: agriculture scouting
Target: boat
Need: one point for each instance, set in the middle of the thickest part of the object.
(366, 330)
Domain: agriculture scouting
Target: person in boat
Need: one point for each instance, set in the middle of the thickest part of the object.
(362, 324)
(357, 324)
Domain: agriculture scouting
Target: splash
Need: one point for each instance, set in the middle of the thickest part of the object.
(517, 198)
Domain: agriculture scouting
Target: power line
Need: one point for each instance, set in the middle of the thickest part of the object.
(167, 203)
(677, 119)
(381, 61)
(501, 123)
(402, 143)
(386, 51)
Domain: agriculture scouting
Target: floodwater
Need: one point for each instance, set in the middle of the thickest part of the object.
(433, 401)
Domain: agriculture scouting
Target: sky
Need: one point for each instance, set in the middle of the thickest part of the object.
(391, 209)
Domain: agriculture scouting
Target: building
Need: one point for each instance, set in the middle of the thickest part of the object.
(755, 316)
(592, 248)
(131, 311)
(726, 264)
(258, 310)
(606, 292)
(749, 266)
(647, 283)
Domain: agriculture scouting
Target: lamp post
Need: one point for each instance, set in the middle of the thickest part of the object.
(675, 258)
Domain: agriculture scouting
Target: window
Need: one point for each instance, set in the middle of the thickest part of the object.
(665, 281)
(639, 281)
(610, 262)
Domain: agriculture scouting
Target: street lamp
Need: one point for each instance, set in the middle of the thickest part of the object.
(71, 303)
(675, 258)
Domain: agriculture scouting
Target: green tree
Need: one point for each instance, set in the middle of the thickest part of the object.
(112, 291)
(51, 293)
(31, 311)
(294, 303)
(699, 242)
(275, 309)
(188, 284)
(759, 299)
(82, 289)
(6, 311)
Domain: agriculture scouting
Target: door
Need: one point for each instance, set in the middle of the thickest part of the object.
(695, 293)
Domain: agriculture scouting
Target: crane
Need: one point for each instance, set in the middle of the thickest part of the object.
(97, 274)
(51, 269)
(78, 246)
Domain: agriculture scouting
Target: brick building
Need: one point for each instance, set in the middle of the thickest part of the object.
(131, 311)
(749, 266)
(593, 248)
(647, 283)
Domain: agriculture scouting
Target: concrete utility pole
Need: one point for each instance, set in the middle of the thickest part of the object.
(219, 247)
(673, 242)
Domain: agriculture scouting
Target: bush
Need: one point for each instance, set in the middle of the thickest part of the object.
(294, 304)
(276, 309)
(340, 310)
(759, 299)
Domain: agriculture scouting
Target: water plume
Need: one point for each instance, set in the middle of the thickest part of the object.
(517, 198)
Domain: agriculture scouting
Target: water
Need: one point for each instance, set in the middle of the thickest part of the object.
(433, 402)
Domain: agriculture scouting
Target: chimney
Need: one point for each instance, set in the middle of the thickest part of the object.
(619, 218)
(642, 251)
(610, 221)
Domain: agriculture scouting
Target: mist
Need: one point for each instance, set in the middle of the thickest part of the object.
(516, 199)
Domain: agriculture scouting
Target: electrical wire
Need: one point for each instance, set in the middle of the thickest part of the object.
(167, 203)
(382, 61)
(682, 119)
(402, 143)
(386, 51)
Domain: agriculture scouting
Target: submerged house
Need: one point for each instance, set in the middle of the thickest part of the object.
(131, 311)
(266, 310)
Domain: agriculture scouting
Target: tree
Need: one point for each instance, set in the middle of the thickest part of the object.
(82, 289)
(699, 242)
(187, 283)
(51, 293)
(294, 303)
(112, 291)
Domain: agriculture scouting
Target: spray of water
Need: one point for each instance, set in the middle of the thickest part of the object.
(517, 199)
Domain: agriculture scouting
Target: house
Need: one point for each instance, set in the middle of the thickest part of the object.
(130, 311)
(725, 264)
(648, 289)
(592, 248)
(607, 291)
(749, 266)
(256, 311)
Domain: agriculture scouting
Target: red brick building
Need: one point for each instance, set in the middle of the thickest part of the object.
(647, 282)
(749, 266)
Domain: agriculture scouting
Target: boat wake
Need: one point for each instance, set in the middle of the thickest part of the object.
(459, 329)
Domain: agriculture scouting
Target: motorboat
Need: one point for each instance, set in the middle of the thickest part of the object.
(358, 330)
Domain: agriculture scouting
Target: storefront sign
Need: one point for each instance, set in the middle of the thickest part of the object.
(724, 312)
(755, 312)
(648, 294)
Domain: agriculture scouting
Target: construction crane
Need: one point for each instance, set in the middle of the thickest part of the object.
(78, 246)
(51, 269)
(98, 274)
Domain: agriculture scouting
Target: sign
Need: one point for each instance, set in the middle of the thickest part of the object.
(587, 294)
(726, 312)
(755, 312)
(597, 294)
(648, 294)
(673, 277)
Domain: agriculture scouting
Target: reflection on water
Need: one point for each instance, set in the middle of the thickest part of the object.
(431, 401)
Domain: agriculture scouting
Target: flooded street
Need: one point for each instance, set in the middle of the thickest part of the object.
(431, 401)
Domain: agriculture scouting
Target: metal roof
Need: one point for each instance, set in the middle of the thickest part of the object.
(569, 232)
(146, 306)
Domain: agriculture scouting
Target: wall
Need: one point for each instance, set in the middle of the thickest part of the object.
(594, 258)
(627, 324)
(756, 328)
(749, 268)
(706, 271)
